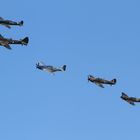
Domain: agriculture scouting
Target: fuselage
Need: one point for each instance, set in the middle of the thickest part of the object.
(48, 68)
(10, 41)
(8, 22)
(99, 80)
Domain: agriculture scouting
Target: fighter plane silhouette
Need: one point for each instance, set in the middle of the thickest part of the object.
(100, 81)
(128, 99)
(9, 23)
(50, 69)
(6, 41)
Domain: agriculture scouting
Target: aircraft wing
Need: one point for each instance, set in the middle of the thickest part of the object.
(8, 26)
(1, 18)
(7, 46)
(130, 102)
(99, 84)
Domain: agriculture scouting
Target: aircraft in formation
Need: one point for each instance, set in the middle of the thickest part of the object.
(7, 41)
(100, 81)
(130, 100)
(50, 69)
(9, 23)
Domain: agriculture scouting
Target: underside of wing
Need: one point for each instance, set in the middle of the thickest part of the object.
(130, 102)
(7, 46)
(48, 69)
(8, 26)
(99, 84)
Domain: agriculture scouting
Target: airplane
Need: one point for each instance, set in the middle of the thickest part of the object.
(50, 69)
(6, 41)
(9, 23)
(100, 81)
(128, 99)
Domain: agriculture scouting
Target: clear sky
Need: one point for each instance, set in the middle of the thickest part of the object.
(101, 38)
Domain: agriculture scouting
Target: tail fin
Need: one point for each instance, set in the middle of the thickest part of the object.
(21, 23)
(137, 99)
(64, 67)
(114, 81)
(25, 41)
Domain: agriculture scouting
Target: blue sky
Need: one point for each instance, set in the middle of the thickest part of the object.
(91, 37)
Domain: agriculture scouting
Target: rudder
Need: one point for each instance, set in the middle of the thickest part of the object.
(114, 81)
(25, 41)
(21, 23)
(64, 67)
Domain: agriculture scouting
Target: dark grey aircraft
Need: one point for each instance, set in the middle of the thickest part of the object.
(48, 68)
(128, 99)
(8, 23)
(100, 81)
(6, 41)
